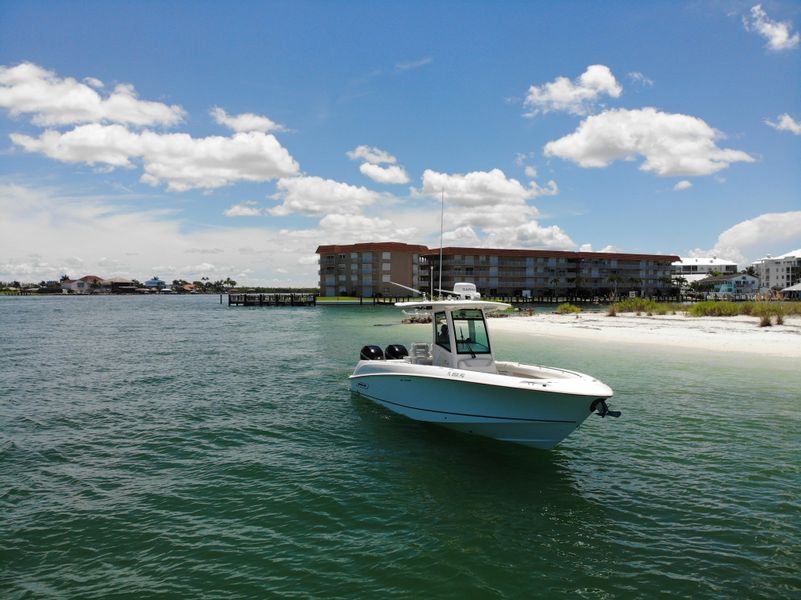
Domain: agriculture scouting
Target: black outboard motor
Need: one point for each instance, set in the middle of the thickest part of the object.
(396, 351)
(371, 353)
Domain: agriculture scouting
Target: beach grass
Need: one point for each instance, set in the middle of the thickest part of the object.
(755, 309)
(643, 305)
(566, 309)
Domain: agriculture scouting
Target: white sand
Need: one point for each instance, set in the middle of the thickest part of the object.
(725, 334)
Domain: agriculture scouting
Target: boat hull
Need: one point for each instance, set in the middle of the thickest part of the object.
(534, 412)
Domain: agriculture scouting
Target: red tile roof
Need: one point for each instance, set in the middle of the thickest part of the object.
(399, 247)
(371, 247)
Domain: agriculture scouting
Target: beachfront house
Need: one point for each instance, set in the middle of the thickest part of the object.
(118, 285)
(693, 269)
(793, 292)
(740, 286)
(88, 284)
(155, 284)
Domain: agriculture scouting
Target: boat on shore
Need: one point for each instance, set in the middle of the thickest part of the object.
(456, 382)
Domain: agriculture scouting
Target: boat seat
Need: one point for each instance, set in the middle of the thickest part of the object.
(420, 349)
(420, 353)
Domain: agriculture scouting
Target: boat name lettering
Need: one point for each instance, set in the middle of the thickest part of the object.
(456, 374)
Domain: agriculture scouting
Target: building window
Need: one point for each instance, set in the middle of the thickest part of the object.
(386, 255)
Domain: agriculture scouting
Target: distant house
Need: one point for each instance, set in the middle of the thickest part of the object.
(155, 284)
(88, 284)
(694, 269)
(739, 285)
(793, 292)
(118, 285)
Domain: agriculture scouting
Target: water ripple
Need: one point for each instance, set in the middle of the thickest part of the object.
(188, 449)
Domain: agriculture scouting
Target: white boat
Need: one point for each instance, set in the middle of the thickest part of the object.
(455, 381)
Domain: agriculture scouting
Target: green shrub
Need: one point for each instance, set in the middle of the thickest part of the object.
(642, 305)
(566, 309)
(712, 308)
(755, 309)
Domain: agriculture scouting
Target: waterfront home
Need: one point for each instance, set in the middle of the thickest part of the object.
(694, 269)
(793, 292)
(738, 286)
(118, 285)
(155, 284)
(88, 284)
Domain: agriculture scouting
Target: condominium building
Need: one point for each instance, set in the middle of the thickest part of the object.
(522, 273)
(779, 272)
(695, 269)
(368, 269)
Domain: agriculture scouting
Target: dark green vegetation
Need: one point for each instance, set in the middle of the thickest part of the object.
(709, 308)
(567, 308)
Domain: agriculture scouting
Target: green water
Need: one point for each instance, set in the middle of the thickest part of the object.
(173, 447)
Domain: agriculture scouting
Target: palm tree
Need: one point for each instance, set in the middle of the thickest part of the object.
(679, 283)
(614, 280)
(635, 281)
(555, 283)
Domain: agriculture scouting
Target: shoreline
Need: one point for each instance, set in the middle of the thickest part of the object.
(720, 334)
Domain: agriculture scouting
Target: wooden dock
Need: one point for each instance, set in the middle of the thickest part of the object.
(272, 299)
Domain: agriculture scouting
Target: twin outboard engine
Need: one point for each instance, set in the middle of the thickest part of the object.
(393, 352)
(396, 351)
(371, 353)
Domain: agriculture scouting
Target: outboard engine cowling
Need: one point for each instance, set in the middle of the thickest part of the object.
(395, 351)
(371, 353)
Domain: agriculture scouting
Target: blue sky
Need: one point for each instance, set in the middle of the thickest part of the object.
(209, 139)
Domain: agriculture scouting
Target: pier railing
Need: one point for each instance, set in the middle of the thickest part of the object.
(272, 299)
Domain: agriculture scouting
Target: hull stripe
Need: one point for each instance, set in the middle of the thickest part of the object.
(443, 412)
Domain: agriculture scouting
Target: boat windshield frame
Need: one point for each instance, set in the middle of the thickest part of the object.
(441, 338)
(472, 322)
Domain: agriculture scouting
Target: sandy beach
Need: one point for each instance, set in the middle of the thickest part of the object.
(723, 334)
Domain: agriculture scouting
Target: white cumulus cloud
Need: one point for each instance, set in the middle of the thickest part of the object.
(318, 196)
(778, 34)
(246, 208)
(391, 174)
(371, 155)
(176, 159)
(671, 144)
(245, 121)
(529, 235)
(480, 188)
(682, 185)
(576, 97)
(490, 204)
(770, 233)
(371, 167)
(29, 89)
(786, 123)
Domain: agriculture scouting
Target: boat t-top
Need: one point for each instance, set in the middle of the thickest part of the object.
(455, 381)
